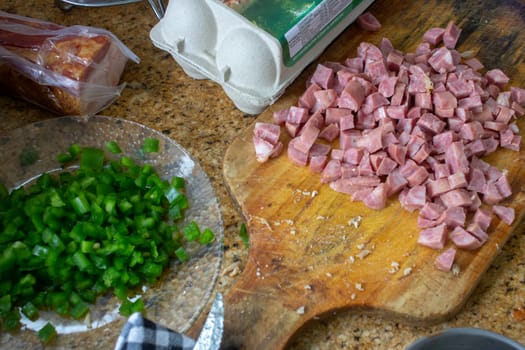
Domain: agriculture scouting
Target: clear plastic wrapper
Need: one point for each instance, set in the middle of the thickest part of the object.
(73, 70)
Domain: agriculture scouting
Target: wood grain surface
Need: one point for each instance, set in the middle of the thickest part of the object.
(301, 242)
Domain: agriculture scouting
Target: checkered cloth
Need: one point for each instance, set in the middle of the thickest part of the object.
(140, 333)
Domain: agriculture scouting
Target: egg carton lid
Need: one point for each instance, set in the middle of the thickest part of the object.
(210, 39)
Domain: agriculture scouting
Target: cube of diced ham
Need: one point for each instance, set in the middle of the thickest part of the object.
(317, 163)
(297, 115)
(324, 99)
(506, 214)
(445, 260)
(307, 99)
(330, 132)
(280, 116)
(414, 198)
(263, 149)
(432, 210)
(307, 138)
(352, 96)
(456, 159)
(442, 60)
(332, 171)
(451, 35)
(496, 76)
(266, 141)
(434, 237)
(434, 35)
(456, 198)
(296, 156)
(323, 76)
(267, 131)
(454, 216)
(395, 182)
(376, 199)
(482, 217)
(368, 21)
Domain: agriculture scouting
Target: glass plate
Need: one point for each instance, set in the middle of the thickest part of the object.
(178, 298)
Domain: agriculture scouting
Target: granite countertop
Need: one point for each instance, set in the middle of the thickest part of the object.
(199, 116)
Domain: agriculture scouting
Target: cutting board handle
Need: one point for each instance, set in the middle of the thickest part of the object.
(257, 317)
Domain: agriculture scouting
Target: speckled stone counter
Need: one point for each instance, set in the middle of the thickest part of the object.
(199, 116)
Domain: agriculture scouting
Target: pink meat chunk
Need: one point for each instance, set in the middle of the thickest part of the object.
(297, 157)
(434, 237)
(445, 260)
(297, 115)
(307, 99)
(451, 35)
(496, 76)
(442, 61)
(415, 198)
(368, 21)
(506, 214)
(438, 187)
(432, 210)
(387, 86)
(377, 198)
(454, 216)
(372, 141)
(518, 95)
(330, 132)
(306, 139)
(482, 217)
(395, 182)
(317, 163)
(463, 239)
(266, 141)
(456, 159)
(477, 231)
(323, 76)
(325, 99)
(456, 198)
(267, 131)
(333, 115)
(331, 172)
(280, 116)
(352, 96)
(434, 35)
(263, 149)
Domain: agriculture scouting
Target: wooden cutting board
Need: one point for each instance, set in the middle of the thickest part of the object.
(306, 258)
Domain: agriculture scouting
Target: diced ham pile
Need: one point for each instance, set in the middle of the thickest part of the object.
(412, 124)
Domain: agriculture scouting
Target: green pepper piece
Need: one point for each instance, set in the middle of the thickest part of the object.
(91, 158)
(151, 145)
(181, 254)
(79, 309)
(80, 204)
(206, 236)
(47, 333)
(191, 231)
(113, 147)
(63, 158)
(82, 261)
(243, 233)
(74, 150)
(12, 320)
(30, 311)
